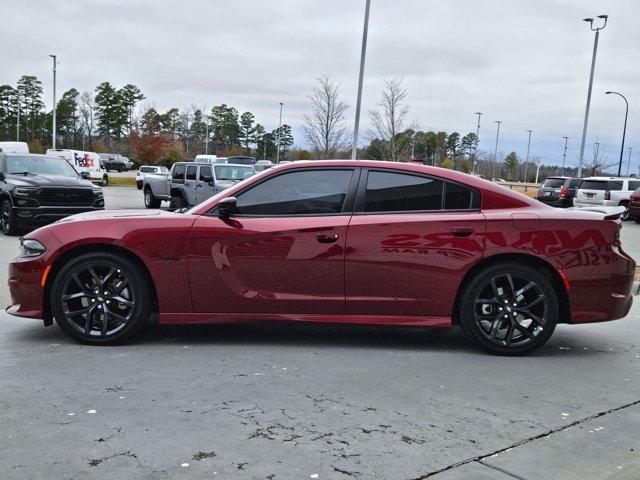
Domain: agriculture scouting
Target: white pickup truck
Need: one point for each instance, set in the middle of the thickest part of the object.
(190, 183)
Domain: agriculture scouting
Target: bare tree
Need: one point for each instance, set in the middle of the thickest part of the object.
(324, 129)
(598, 162)
(389, 123)
(86, 106)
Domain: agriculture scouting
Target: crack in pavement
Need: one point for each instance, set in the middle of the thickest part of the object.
(526, 441)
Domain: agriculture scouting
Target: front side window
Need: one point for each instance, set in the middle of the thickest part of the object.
(398, 192)
(312, 192)
(205, 174)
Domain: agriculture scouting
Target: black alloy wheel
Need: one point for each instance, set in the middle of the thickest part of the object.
(510, 309)
(100, 298)
(7, 218)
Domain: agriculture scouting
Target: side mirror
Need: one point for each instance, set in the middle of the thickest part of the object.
(227, 207)
(85, 175)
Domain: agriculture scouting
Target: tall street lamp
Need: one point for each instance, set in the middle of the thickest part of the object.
(475, 149)
(564, 155)
(18, 118)
(53, 128)
(624, 130)
(206, 138)
(593, 66)
(279, 134)
(363, 53)
(526, 163)
(629, 160)
(495, 151)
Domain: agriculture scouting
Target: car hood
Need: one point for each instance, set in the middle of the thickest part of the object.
(47, 181)
(115, 214)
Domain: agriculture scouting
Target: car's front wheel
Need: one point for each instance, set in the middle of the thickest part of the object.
(101, 298)
(105, 180)
(7, 218)
(509, 308)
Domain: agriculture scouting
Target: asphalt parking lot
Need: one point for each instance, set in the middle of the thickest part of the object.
(296, 402)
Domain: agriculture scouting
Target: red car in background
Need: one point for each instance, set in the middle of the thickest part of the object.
(358, 242)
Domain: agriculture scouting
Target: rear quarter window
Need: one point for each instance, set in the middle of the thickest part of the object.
(634, 184)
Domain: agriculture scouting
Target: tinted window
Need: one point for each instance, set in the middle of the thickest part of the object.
(396, 192)
(297, 193)
(553, 183)
(593, 185)
(191, 172)
(147, 169)
(614, 185)
(178, 172)
(575, 182)
(205, 174)
(634, 184)
(459, 197)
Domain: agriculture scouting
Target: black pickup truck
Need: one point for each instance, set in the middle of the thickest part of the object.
(40, 189)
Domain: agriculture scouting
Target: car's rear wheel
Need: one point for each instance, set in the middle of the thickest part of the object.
(105, 180)
(101, 299)
(509, 308)
(7, 218)
(150, 201)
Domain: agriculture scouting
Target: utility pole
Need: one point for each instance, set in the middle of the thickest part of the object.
(53, 128)
(18, 120)
(495, 151)
(564, 155)
(363, 54)
(593, 66)
(538, 169)
(526, 162)
(629, 160)
(206, 138)
(475, 150)
(279, 133)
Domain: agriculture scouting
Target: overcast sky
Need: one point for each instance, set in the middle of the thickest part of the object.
(524, 63)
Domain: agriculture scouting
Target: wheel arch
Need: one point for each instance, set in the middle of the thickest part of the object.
(178, 191)
(533, 261)
(60, 261)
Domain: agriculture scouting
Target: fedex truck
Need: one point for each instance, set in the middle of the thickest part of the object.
(88, 162)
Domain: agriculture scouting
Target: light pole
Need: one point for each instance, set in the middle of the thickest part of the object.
(475, 149)
(495, 151)
(526, 163)
(593, 66)
(629, 160)
(53, 128)
(624, 130)
(206, 138)
(363, 53)
(564, 155)
(18, 119)
(538, 169)
(279, 133)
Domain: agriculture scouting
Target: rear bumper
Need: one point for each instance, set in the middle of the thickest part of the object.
(585, 204)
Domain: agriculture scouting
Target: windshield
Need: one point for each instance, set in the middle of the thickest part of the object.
(233, 172)
(39, 165)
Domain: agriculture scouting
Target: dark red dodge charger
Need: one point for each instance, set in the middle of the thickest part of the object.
(332, 241)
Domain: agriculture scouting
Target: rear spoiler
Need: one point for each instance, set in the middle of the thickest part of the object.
(610, 213)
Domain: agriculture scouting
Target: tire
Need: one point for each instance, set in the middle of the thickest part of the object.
(8, 223)
(139, 185)
(123, 299)
(105, 180)
(150, 201)
(177, 202)
(496, 319)
(625, 216)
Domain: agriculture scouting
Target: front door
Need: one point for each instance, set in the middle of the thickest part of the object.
(410, 241)
(283, 253)
(190, 180)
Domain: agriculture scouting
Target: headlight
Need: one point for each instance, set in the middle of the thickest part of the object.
(98, 192)
(31, 248)
(23, 191)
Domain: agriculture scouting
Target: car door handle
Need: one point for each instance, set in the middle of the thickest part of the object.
(462, 231)
(325, 238)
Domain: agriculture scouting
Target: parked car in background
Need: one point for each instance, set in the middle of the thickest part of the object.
(128, 164)
(351, 242)
(606, 191)
(14, 147)
(263, 165)
(40, 189)
(241, 160)
(559, 191)
(634, 206)
(146, 169)
(190, 183)
(88, 164)
(113, 161)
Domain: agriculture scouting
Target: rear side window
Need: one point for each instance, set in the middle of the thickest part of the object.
(459, 197)
(178, 172)
(205, 174)
(191, 172)
(614, 185)
(397, 192)
(311, 192)
(634, 184)
(594, 185)
(553, 183)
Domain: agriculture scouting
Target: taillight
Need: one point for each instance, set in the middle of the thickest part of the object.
(564, 192)
(634, 198)
(607, 195)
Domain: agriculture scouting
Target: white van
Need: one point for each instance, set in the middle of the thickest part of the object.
(14, 147)
(83, 162)
(210, 159)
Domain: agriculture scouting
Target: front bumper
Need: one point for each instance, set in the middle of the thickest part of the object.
(38, 216)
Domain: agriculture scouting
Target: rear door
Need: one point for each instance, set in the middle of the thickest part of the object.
(591, 192)
(410, 241)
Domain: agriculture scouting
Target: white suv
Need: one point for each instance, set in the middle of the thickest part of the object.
(607, 191)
